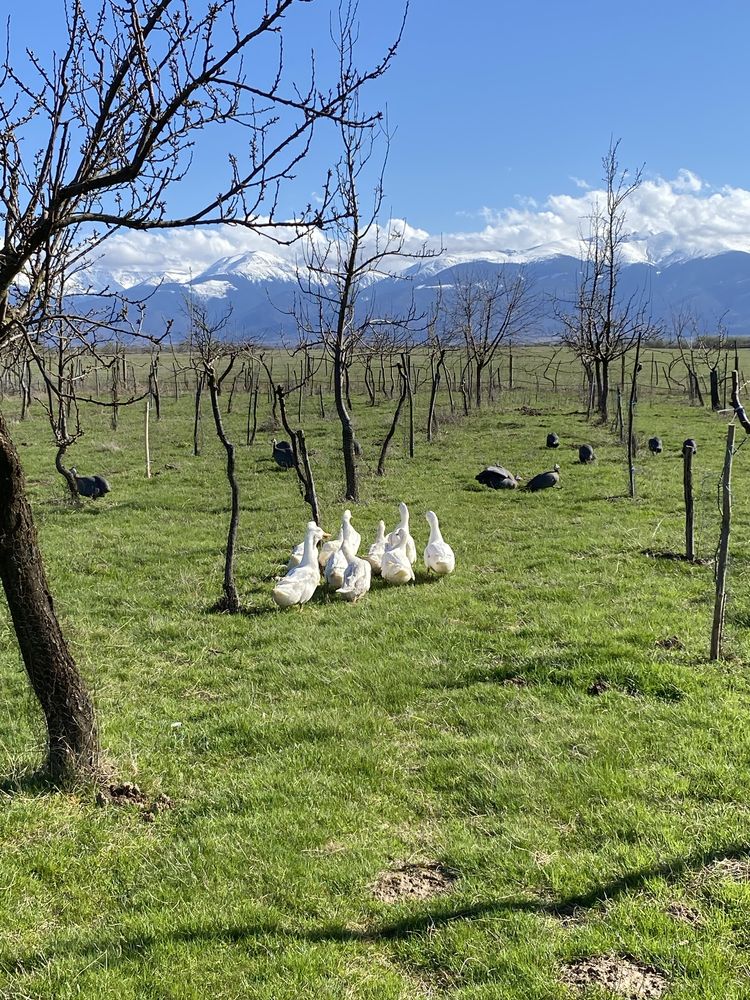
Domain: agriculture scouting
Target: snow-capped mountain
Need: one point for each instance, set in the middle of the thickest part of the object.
(261, 287)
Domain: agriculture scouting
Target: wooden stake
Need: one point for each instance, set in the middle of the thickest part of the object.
(148, 449)
(687, 485)
(721, 564)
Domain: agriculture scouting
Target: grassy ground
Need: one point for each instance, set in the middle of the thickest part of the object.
(453, 721)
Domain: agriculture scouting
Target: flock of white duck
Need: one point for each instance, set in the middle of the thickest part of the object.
(390, 556)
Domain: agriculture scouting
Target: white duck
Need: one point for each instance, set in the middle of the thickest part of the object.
(438, 555)
(355, 539)
(403, 525)
(376, 550)
(300, 583)
(395, 566)
(328, 548)
(337, 562)
(357, 576)
(295, 557)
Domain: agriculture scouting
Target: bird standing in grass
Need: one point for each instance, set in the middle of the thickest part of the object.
(282, 453)
(337, 562)
(403, 525)
(376, 550)
(301, 582)
(497, 478)
(586, 454)
(91, 486)
(396, 566)
(357, 576)
(438, 555)
(544, 481)
(655, 446)
(553, 441)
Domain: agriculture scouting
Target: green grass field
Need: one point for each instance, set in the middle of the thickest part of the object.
(543, 725)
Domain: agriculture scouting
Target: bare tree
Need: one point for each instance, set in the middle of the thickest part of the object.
(332, 313)
(208, 351)
(601, 325)
(699, 345)
(488, 312)
(93, 138)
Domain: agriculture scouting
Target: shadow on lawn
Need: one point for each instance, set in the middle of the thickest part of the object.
(133, 947)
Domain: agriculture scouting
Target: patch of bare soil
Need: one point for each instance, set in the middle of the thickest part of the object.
(732, 869)
(127, 794)
(670, 642)
(685, 914)
(516, 681)
(531, 411)
(599, 686)
(621, 975)
(413, 881)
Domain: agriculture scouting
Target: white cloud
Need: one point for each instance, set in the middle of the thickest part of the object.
(683, 215)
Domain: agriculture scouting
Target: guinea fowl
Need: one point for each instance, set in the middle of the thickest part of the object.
(690, 443)
(544, 481)
(497, 478)
(553, 441)
(586, 454)
(91, 486)
(282, 454)
(655, 446)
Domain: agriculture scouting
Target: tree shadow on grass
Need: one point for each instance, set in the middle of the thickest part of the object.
(114, 951)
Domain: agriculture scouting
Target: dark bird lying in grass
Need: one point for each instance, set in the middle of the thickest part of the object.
(91, 486)
(544, 481)
(553, 441)
(690, 443)
(282, 454)
(497, 478)
(586, 454)
(654, 445)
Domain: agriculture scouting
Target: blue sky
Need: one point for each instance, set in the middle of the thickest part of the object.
(499, 106)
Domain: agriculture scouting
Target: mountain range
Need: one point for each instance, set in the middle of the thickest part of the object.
(261, 288)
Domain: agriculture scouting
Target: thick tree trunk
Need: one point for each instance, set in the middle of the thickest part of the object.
(72, 738)
(604, 392)
(715, 395)
(347, 430)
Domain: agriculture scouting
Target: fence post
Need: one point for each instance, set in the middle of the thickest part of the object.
(721, 563)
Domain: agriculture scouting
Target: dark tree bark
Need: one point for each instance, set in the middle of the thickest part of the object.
(347, 429)
(394, 422)
(230, 601)
(197, 416)
(72, 738)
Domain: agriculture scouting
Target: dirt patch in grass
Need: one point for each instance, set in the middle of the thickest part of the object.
(685, 914)
(621, 975)
(531, 411)
(599, 686)
(731, 869)
(413, 881)
(516, 681)
(128, 794)
(670, 642)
